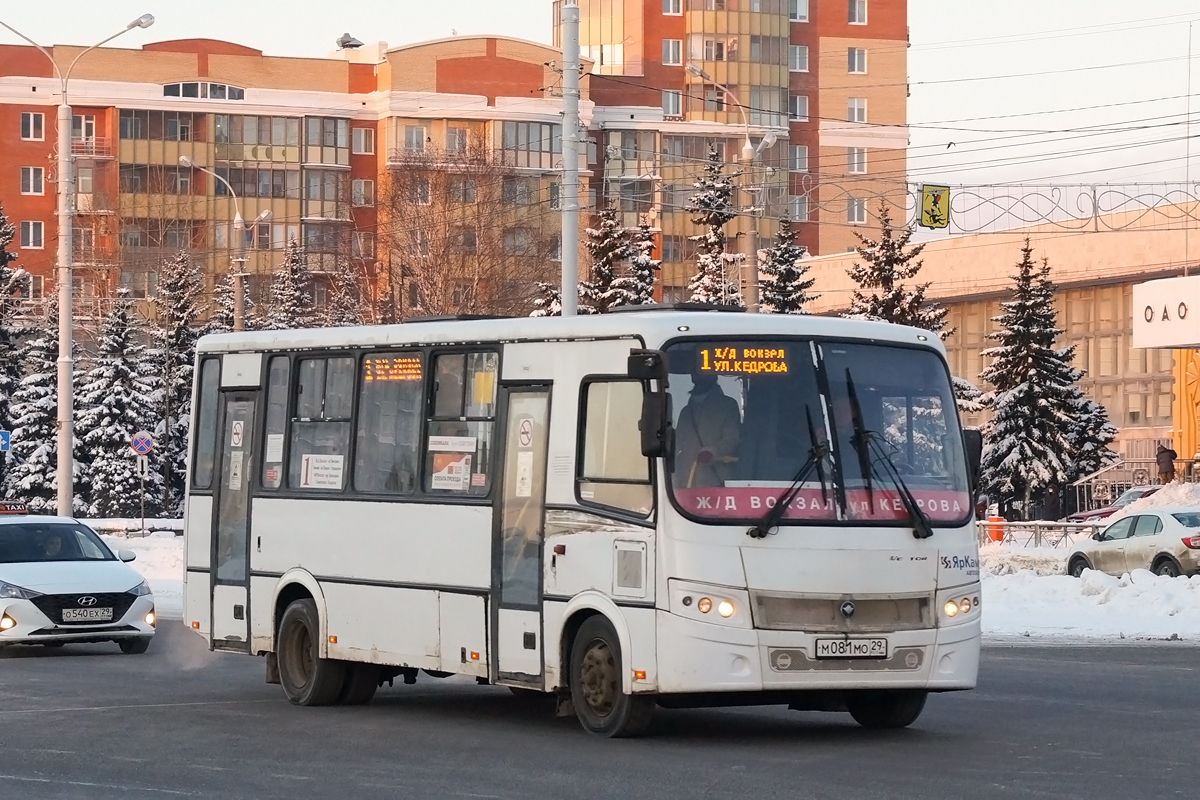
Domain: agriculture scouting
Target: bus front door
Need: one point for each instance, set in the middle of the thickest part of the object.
(517, 539)
(231, 524)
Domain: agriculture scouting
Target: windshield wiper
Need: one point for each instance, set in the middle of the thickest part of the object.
(864, 441)
(816, 454)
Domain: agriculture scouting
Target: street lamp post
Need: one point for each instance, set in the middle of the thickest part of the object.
(66, 215)
(748, 154)
(239, 227)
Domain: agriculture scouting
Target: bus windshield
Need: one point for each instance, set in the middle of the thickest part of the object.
(748, 415)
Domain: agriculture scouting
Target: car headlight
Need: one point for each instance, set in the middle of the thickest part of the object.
(10, 592)
(140, 590)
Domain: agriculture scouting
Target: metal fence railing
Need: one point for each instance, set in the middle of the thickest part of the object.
(1036, 534)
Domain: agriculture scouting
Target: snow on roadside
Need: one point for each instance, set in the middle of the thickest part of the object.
(160, 562)
(1173, 494)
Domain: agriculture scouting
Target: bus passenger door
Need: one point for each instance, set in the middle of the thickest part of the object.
(231, 524)
(517, 538)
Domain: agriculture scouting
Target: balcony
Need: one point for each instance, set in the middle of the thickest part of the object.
(92, 147)
(95, 203)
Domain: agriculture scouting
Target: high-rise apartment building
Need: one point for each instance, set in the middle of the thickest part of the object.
(826, 78)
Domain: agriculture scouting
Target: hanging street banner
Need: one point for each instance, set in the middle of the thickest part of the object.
(935, 206)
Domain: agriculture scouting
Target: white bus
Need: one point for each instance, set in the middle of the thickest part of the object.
(664, 507)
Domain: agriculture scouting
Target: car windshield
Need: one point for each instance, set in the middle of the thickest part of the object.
(748, 414)
(1128, 497)
(24, 542)
(1190, 519)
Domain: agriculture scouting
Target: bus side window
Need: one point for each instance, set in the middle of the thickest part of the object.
(206, 424)
(613, 472)
(462, 424)
(320, 436)
(278, 375)
(389, 423)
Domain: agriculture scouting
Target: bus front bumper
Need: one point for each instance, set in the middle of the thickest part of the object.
(704, 657)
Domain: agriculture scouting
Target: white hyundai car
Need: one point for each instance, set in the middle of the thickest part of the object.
(60, 583)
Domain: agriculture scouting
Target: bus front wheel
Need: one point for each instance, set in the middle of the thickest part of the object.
(307, 679)
(596, 672)
(897, 708)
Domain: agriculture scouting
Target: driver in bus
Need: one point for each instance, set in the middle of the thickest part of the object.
(708, 433)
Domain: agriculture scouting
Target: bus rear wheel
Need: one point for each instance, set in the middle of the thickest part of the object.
(896, 708)
(359, 687)
(307, 679)
(596, 672)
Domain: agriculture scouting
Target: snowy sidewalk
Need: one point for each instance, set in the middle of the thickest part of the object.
(160, 561)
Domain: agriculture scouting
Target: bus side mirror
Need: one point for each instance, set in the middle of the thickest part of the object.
(648, 365)
(973, 445)
(655, 424)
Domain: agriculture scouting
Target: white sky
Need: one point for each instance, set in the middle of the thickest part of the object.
(952, 42)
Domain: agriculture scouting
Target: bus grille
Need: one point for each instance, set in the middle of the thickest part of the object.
(796, 660)
(800, 613)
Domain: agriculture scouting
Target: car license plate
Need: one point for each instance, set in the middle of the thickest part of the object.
(852, 648)
(87, 615)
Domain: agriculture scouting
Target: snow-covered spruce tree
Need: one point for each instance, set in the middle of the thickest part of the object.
(345, 305)
(31, 476)
(1027, 442)
(290, 304)
(220, 309)
(636, 287)
(167, 367)
(115, 402)
(608, 246)
(967, 395)
(712, 207)
(785, 290)
(1091, 434)
(12, 286)
(548, 302)
(882, 291)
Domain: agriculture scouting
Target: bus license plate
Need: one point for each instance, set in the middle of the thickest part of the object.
(87, 615)
(852, 648)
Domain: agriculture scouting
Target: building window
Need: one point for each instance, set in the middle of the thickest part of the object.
(555, 197)
(856, 160)
(518, 191)
(856, 211)
(33, 180)
(798, 10)
(414, 138)
(363, 141)
(362, 192)
(531, 144)
(516, 241)
(456, 141)
(33, 126)
(798, 158)
(856, 109)
(856, 61)
(84, 180)
(461, 190)
(418, 192)
(674, 247)
(766, 105)
(714, 98)
(363, 244)
(672, 51)
(32, 235)
(672, 102)
(463, 240)
(858, 12)
(206, 91)
(673, 8)
(798, 108)
(178, 180)
(798, 207)
(798, 58)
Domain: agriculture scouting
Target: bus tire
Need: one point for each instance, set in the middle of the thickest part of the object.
(896, 708)
(359, 687)
(601, 706)
(307, 679)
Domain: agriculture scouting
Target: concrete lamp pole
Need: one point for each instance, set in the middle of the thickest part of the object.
(66, 217)
(239, 227)
(749, 152)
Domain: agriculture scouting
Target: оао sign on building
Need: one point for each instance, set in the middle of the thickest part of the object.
(1166, 313)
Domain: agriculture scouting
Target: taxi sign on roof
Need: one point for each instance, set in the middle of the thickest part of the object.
(9, 507)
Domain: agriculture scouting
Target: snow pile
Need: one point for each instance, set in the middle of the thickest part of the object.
(1173, 494)
(160, 562)
(998, 559)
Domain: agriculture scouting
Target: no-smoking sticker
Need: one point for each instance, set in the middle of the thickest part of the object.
(525, 432)
(235, 436)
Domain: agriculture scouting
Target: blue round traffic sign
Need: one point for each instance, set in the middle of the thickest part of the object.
(142, 443)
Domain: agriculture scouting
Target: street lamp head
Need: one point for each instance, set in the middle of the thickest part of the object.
(263, 217)
(186, 161)
(144, 21)
(693, 68)
(748, 150)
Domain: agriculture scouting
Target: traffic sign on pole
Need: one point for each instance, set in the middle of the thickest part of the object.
(142, 443)
(4, 441)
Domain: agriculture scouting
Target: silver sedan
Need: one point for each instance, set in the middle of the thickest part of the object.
(1165, 541)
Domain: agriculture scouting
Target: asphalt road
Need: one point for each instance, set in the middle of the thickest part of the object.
(1065, 722)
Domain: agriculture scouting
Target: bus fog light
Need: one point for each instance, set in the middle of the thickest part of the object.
(725, 608)
(965, 605)
(951, 608)
(704, 604)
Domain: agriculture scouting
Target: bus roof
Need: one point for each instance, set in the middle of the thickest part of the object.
(654, 327)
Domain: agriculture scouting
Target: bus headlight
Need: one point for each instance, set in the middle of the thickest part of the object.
(716, 605)
(959, 605)
(704, 605)
(725, 609)
(951, 608)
